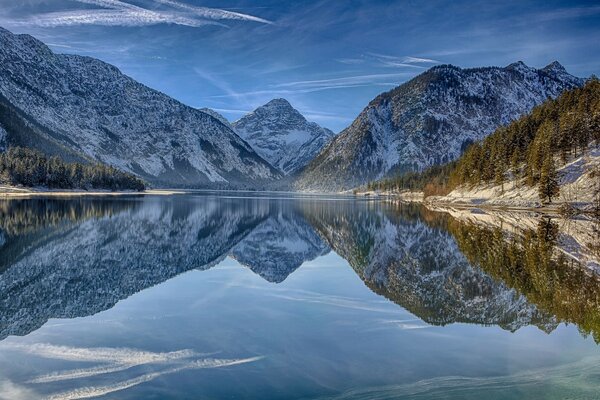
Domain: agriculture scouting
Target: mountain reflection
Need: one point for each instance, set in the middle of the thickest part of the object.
(76, 257)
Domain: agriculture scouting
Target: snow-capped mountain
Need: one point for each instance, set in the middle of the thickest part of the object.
(83, 108)
(282, 136)
(430, 120)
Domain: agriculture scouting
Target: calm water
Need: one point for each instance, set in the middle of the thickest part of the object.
(216, 297)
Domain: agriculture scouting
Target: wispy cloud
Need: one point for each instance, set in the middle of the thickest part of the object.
(213, 13)
(120, 13)
(384, 60)
(404, 61)
(347, 81)
(567, 13)
(350, 61)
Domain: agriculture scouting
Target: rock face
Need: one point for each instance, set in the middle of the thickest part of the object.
(430, 120)
(84, 109)
(282, 136)
(216, 115)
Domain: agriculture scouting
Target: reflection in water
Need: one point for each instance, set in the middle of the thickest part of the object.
(531, 262)
(112, 360)
(70, 258)
(411, 259)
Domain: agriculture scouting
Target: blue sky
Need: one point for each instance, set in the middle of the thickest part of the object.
(328, 58)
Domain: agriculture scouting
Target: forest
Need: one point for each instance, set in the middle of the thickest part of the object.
(26, 167)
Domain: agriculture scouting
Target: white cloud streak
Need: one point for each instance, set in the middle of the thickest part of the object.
(11, 391)
(342, 82)
(120, 13)
(384, 60)
(212, 13)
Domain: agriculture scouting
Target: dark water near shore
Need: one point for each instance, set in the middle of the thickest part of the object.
(212, 296)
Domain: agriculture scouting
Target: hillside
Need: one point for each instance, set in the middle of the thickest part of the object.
(83, 109)
(551, 154)
(431, 120)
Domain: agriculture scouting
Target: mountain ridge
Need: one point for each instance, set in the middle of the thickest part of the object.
(430, 120)
(89, 109)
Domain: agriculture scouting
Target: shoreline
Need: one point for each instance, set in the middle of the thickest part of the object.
(12, 192)
(7, 192)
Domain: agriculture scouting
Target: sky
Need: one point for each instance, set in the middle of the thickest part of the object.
(329, 58)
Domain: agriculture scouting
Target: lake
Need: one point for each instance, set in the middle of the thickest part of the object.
(234, 296)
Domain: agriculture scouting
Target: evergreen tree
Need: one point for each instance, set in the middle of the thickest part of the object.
(548, 184)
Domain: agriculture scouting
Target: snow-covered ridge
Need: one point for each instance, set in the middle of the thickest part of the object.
(430, 120)
(282, 136)
(91, 108)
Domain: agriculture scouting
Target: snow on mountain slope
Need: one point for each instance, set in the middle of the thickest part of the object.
(92, 109)
(430, 120)
(216, 115)
(282, 136)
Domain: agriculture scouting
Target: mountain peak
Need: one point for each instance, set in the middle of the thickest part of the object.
(281, 135)
(555, 66)
(279, 102)
(519, 66)
(276, 111)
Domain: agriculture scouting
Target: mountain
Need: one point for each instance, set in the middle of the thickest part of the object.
(430, 120)
(216, 115)
(282, 136)
(84, 109)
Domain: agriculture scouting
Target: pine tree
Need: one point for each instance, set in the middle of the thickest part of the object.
(548, 184)
(514, 165)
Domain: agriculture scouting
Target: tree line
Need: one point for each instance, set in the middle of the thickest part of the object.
(528, 150)
(23, 166)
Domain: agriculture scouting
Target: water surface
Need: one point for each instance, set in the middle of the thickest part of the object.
(210, 296)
